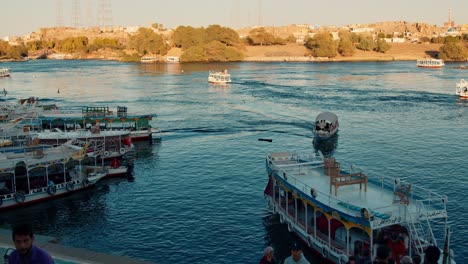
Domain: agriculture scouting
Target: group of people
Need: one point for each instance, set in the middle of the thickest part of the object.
(296, 256)
(383, 256)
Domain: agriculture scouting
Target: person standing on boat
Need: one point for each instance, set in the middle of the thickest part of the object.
(431, 255)
(26, 252)
(267, 256)
(296, 255)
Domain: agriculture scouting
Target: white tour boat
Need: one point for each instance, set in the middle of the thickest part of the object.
(462, 88)
(326, 125)
(172, 59)
(4, 72)
(339, 211)
(219, 77)
(149, 59)
(430, 63)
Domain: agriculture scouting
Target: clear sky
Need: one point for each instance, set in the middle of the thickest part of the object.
(19, 17)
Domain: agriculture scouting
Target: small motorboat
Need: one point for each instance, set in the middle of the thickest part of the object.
(326, 125)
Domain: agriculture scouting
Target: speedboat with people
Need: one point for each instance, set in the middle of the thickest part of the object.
(4, 72)
(326, 125)
(340, 211)
(221, 77)
(430, 63)
(462, 88)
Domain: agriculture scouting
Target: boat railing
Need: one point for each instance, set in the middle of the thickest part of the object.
(289, 164)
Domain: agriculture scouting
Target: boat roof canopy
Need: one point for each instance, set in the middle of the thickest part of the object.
(328, 116)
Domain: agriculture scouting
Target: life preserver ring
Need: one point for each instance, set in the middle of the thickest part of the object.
(85, 182)
(282, 218)
(122, 151)
(270, 203)
(313, 192)
(290, 227)
(107, 153)
(70, 186)
(51, 190)
(324, 252)
(19, 197)
(343, 259)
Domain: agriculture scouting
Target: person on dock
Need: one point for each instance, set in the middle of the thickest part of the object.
(268, 256)
(296, 255)
(26, 252)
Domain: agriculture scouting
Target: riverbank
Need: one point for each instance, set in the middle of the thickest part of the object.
(290, 52)
(295, 52)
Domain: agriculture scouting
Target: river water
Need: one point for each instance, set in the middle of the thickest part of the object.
(197, 195)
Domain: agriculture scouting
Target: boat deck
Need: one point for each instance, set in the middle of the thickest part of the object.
(380, 198)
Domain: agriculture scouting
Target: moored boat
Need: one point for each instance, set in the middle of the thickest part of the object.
(430, 63)
(340, 213)
(221, 77)
(326, 125)
(462, 88)
(40, 175)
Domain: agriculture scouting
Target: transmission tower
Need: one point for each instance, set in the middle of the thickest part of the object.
(260, 17)
(90, 16)
(104, 13)
(76, 13)
(59, 14)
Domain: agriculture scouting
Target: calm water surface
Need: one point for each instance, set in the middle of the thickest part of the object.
(197, 196)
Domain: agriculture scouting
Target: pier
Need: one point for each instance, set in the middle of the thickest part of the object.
(65, 254)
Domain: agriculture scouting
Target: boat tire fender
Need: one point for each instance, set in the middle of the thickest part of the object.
(343, 259)
(19, 197)
(290, 227)
(107, 153)
(122, 151)
(1, 200)
(85, 182)
(309, 241)
(270, 203)
(70, 186)
(282, 218)
(324, 252)
(51, 190)
(275, 208)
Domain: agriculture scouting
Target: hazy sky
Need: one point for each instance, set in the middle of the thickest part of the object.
(19, 17)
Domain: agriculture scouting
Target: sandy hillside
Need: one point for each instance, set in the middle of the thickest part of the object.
(295, 52)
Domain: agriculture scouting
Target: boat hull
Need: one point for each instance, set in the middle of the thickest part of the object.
(41, 195)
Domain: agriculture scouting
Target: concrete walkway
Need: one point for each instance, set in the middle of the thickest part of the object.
(67, 254)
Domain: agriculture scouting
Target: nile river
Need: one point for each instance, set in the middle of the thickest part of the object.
(197, 195)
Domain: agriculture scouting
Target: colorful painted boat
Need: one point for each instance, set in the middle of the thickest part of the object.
(40, 175)
(340, 211)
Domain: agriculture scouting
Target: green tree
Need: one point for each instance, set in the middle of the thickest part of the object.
(222, 34)
(381, 45)
(346, 47)
(322, 45)
(213, 51)
(366, 42)
(71, 44)
(146, 41)
(259, 36)
(453, 52)
(291, 39)
(186, 37)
